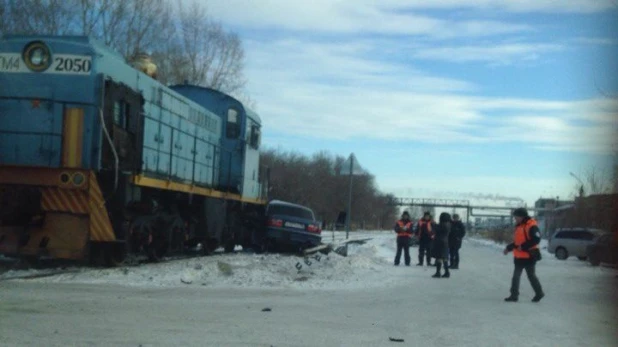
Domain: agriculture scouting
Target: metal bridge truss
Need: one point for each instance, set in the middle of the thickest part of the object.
(429, 202)
(450, 203)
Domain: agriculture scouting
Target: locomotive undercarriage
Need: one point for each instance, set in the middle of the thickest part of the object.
(158, 223)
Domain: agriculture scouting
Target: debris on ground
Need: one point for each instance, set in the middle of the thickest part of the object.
(224, 268)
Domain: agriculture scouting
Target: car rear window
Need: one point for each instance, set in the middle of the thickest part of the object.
(575, 235)
(292, 211)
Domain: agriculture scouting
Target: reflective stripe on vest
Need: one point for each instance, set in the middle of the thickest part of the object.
(404, 226)
(522, 235)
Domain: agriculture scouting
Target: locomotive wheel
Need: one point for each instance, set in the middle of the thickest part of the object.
(156, 251)
(115, 254)
(209, 245)
(229, 246)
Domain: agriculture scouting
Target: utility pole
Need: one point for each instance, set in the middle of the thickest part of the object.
(581, 187)
(347, 221)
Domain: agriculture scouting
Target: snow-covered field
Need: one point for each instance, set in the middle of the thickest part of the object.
(359, 300)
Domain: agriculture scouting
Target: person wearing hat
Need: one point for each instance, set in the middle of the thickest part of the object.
(455, 237)
(525, 248)
(403, 228)
(424, 232)
(439, 246)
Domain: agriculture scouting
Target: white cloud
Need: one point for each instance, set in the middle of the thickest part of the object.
(326, 16)
(595, 40)
(495, 54)
(388, 16)
(343, 91)
(517, 6)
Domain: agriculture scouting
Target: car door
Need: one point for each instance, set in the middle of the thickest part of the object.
(567, 240)
(580, 240)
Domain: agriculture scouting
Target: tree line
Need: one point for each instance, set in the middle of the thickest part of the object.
(317, 182)
(183, 41)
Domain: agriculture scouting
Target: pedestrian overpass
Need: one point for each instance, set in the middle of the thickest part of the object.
(471, 210)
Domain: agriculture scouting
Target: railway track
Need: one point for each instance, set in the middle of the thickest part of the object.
(51, 267)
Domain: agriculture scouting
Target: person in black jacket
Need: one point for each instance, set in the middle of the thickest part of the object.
(526, 253)
(424, 232)
(403, 228)
(439, 246)
(458, 231)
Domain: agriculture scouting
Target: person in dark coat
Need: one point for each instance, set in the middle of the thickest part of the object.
(439, 246)
(526, 253)
(403, 228)
(424, 233)
(455, 237)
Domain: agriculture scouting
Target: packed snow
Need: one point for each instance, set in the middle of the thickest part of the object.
(364, 267)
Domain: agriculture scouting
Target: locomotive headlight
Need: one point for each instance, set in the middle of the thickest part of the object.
(78, 179)
(37, 56)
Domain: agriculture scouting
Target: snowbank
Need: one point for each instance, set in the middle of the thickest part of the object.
(363, 267)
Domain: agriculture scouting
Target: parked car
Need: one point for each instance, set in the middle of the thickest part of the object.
(604, 249)
(566, 242)
(291, 226)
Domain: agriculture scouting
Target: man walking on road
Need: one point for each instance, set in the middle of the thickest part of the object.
(455, 237)
(424, 233)
(403, 228)
(525, 248)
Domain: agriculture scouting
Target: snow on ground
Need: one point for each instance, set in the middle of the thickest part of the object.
(362, 267)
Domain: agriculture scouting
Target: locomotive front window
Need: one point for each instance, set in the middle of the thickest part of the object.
(233, 124)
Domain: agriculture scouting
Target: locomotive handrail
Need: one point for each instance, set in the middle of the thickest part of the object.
(217, 151)
(29, 133)
(59, 101)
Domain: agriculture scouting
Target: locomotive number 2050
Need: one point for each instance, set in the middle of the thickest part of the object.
(72, 64)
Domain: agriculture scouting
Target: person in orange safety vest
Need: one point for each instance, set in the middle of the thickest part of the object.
(526, 253)
(403, 228)
(425, 235)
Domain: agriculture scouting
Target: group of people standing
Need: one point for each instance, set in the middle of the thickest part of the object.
(440, 241)
(443, 240)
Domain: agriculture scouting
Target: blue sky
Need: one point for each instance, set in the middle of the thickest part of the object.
(438, 97)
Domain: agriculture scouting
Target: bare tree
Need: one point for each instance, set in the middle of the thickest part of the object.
(214, 58)
(596, 181)
(186, 44)
(51, 17)
(4, 17)
(315, 182)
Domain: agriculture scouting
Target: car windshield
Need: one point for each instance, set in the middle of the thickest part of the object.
(292, 211)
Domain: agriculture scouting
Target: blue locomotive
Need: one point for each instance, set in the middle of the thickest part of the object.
(97, 157)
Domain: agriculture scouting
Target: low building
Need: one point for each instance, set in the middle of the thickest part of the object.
(546, 218)
(595, 211)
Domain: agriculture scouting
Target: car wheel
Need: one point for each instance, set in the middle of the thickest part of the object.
(562, 253)
(594, 261)
(582, 258)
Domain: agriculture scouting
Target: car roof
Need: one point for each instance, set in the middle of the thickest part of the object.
(285, 203)
(593, 230)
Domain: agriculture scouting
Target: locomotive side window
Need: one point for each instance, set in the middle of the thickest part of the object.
(233, 124)
(122, 114)
(255, 137)
(118, 114)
